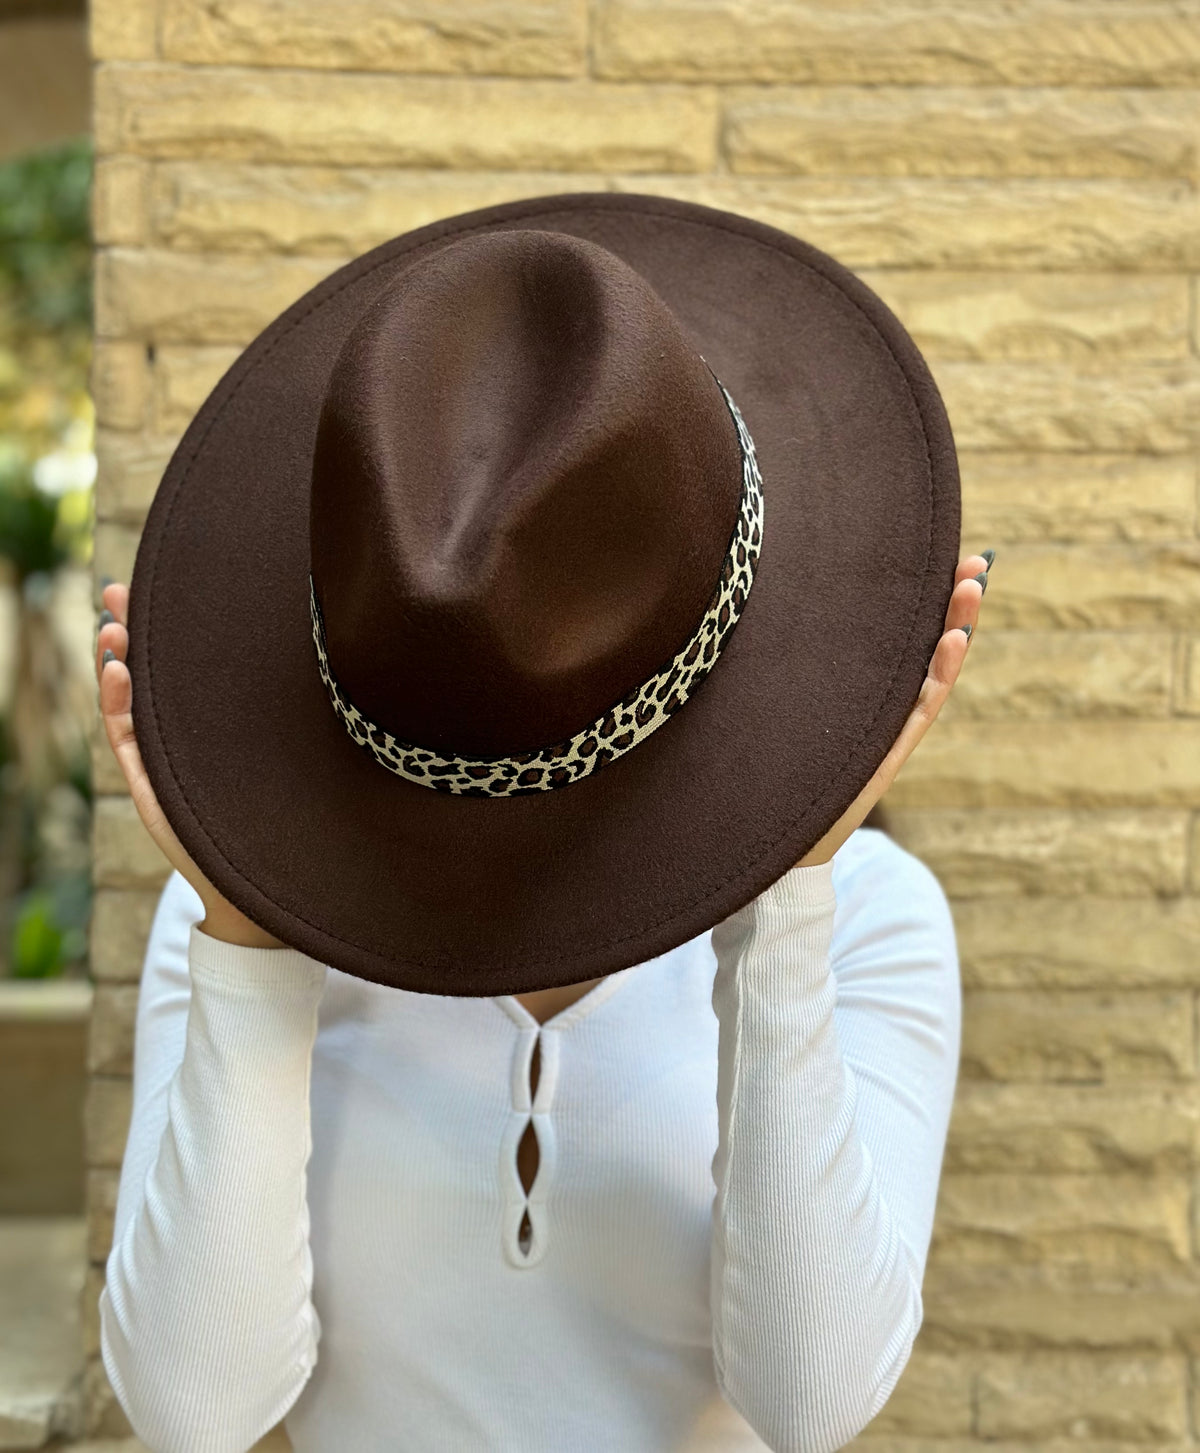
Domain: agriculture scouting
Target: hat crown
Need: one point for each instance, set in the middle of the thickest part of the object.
(524, 482)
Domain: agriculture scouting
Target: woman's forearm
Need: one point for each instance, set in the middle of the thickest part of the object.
(208, 1332)
(829, 1154)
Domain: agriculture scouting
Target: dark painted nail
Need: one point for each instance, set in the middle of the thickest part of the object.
(105, 617)
(105, 580)
(106, 658)
(989, 556)
(965, 629)
(982, 578)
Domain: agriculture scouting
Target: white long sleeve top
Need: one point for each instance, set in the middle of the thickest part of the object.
(740, 1146)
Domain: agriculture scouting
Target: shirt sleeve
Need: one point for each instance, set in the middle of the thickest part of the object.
(208, 1332)
(839, 1044)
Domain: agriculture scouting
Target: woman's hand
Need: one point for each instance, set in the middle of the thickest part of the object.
(944, 667)
(222, 920)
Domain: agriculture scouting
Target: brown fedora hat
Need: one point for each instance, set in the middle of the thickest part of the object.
(539, 587)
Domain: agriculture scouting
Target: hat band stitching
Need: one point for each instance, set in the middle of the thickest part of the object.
(615, 731)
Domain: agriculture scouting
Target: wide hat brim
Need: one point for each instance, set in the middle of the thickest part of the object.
(301, 829)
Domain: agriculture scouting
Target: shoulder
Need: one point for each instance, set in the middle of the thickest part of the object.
(178, 897)
(179, 906)
(871, 860)
(894, 953)
(165, 965)
(883, 887)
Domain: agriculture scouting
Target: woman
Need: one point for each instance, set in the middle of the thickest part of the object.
(209, 1329)
(682, 1206)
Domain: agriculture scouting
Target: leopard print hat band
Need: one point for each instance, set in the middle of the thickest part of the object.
(617, 730)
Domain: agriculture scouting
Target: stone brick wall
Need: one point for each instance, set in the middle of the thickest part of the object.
(1017, 178)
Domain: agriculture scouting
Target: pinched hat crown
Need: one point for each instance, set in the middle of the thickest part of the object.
(534, 515)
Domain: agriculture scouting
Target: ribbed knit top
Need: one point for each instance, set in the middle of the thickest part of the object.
(740, 1144)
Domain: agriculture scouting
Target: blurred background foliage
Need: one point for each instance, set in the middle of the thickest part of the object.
(47, 513)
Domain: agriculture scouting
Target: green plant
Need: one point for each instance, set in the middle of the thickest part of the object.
(46, 308)
(46, 238)
(46, 523)
(30, 535)
(36, 951)
(49, 931)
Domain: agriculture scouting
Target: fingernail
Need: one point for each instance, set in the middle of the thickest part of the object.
(965, 629)
(989, 556)
(982, 578)
(106, 658)
(105, 580)
(105, 617)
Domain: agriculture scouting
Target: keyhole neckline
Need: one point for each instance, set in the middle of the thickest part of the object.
(573, 1013)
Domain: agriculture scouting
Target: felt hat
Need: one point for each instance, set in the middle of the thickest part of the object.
(539, 587)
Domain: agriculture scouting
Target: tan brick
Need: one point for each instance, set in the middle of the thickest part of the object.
(119, 382)
(1100, 586)
(962, 222)
(867, 1442)
(1077, 942)
(107, 776)
(296, 115)
(1187, 676)
(1196, 1188)
(1194, 855)
(1033, 497)
(495, 37)
(1153, 43)
(1196, 315)
(114, 551)
(221, 206)
(1051, 674)
(1055, 1129)
(932, 1398)
(129, 470)
(110, 1030)
(947, 130)
(120, 927)
(1077, 1034)
(105, 1416)
(102, 1188)
(1079, 764)
(231, 206)
(122, 29)
(994, 316)
(276, 1441)
(1119, 1222)
(1060, 1305)
(1031, 406)
(119, 200)
(197, 298)
(1194, 1381)
(116, 1444)
(1083, 1397)
(124, 855)
(1009, 850)
(184, 376)
(89, 1310)
(106, 1112)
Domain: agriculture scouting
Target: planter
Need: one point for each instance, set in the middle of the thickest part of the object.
(43, 1075)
